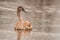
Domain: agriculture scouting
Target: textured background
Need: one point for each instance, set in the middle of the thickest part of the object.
(44, 15)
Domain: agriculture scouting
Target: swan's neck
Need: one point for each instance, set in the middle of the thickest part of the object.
(20, 19)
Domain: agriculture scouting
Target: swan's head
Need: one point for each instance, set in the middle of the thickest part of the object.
(20, 8)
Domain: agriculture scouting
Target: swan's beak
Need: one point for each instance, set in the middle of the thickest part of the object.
(24, 10)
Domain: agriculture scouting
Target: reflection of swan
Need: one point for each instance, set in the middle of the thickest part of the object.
(22, 33)
(21, 24)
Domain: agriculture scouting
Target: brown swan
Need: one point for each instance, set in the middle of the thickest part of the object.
(21, 24)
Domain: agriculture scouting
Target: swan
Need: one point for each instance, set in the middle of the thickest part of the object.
(21, 23)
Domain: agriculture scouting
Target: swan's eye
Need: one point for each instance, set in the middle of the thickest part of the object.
(20, 9)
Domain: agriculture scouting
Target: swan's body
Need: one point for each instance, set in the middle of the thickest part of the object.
(21, 24)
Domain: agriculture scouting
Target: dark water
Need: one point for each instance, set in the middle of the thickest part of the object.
(44, 16)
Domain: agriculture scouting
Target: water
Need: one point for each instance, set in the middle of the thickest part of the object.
(44, 16)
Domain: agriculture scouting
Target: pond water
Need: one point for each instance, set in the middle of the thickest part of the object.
(44, 16)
